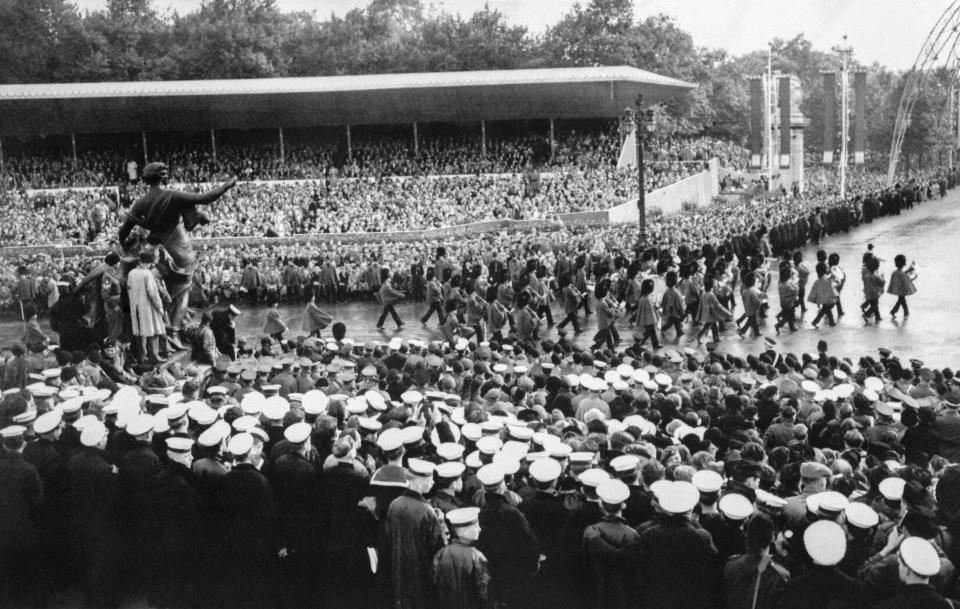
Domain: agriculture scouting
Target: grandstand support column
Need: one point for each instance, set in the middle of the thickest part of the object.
(283, 158)
(73, 148)
(416, 140)
(213, 144)
(349, 144)
(1, 157)
(483, 137)
(146, 158)
(553, 140)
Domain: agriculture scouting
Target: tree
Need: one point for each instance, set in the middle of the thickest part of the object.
(231, 39)
(488, 42)
(128, 41)
(39, 40)
(592, 35)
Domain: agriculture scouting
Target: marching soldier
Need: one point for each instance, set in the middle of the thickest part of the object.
(528, 324)
(477, 308)
(571, 304)
(434, 298)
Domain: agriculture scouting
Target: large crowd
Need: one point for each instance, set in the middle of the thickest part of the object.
(307, 156)
(499, 467)
(476, 473)
(340, 205)
(346, 271)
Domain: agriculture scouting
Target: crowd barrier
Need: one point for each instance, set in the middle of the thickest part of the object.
(448, 232)
(699, 189)
(56, 251)
(454, 176)
(35, 192)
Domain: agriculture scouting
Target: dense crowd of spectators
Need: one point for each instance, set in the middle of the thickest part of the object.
(337, 205)
(371, 157)
(788, 221)
(475, 474)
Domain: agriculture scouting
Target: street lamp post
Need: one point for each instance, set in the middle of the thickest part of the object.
(635, 120)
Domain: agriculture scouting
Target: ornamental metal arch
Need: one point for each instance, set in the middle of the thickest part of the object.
(941, 44)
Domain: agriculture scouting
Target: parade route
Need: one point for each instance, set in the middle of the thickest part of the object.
(925, 234)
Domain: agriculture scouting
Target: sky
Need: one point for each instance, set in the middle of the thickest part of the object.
(889, 32)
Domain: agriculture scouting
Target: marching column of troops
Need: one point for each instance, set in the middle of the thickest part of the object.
(424, 475)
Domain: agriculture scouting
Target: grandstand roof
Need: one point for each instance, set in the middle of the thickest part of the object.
(117, 107)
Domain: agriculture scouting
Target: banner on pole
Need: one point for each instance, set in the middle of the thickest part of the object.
(784, 100)
(628, 152)
(756, 121)
(829, 115)
(859, 116)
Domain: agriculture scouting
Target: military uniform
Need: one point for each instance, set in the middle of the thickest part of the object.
(752, 581)
(137, 470)
(675, 561)
(250, 521)
(53, 517)
(609, 587)
(461, 577)
(177, 512)
(347, 577)
(915, 596)
(412, 538)
(21, 500)
(508, 542)
(296, 485)
(822, 587)
(94, 507)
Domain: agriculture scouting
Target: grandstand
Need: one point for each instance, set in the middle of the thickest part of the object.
(142, 107)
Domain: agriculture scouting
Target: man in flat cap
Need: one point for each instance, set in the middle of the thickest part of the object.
(168, 215)
(813, 479)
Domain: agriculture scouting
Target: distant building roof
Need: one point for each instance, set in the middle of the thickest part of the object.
(114, 107)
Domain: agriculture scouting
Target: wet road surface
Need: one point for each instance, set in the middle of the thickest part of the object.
(928, 233)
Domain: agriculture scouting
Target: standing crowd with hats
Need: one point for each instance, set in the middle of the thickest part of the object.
(492, 469)
(476, 473)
